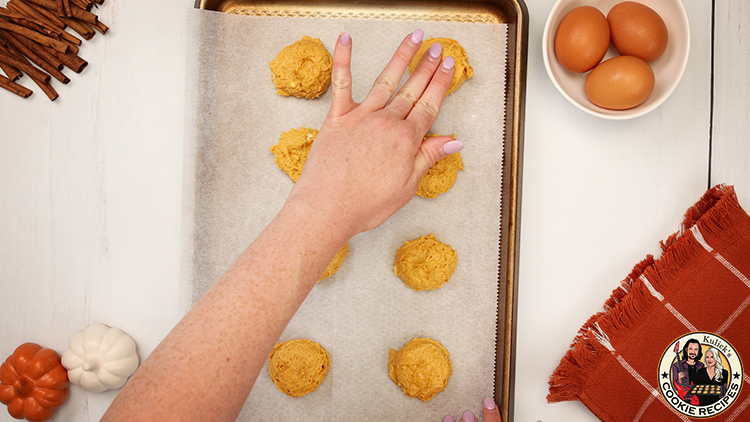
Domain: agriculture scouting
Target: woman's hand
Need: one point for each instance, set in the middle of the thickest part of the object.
(367, 159)
(490, 413)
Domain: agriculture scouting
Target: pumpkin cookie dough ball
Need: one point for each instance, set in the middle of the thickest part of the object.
(302, 69)
(441, 176)
(425, 263)
(290, 153)
(298, 366)
(336, 262)
(421, 368)
(452, 48)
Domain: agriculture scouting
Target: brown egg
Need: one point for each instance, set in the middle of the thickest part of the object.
(582, 39)
(620, 83)
(637, 30)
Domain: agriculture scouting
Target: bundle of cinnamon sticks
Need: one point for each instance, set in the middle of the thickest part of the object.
(33, 41)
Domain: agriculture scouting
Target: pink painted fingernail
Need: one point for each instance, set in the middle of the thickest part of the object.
(435, 50)
(489, 404)
(345, 39)
(452, 147)
(416, 36)
(449, 418)
(448, 63)
(469, 417)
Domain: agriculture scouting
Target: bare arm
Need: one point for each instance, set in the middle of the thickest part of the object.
(207, 365)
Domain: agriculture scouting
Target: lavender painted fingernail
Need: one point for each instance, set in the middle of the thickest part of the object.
(416, 36)
(448, 63)
(452, 147)
(469, 417)
(489, 404)
(345, 39)
(449, 418)
(435, 50)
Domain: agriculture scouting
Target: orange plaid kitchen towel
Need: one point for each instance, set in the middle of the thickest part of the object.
(671, 340)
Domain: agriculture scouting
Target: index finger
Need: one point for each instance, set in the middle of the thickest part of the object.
(427, 108)
(341, 76)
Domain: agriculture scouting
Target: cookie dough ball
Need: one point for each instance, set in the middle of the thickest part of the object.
(452, 48)
(425, 263)
(336, 262)
(440, 178)
(302, 69)
(298, 366)
(421, 368)
(290, 153)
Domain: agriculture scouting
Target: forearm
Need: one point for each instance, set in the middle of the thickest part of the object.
(217, 351)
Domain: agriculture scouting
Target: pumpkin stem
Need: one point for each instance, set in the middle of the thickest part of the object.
(92, 363)
(24, 386)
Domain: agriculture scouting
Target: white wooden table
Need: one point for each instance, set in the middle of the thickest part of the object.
(90, 191)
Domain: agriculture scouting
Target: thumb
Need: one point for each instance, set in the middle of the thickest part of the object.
(432, 150)
(490, 412)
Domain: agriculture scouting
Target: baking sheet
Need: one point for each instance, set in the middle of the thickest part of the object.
(232, 189)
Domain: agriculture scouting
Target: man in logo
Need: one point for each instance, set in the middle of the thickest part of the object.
(685, 370)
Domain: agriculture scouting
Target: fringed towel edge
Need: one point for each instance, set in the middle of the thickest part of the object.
(712, 214)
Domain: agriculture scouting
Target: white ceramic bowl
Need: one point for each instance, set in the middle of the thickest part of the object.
(668, 68)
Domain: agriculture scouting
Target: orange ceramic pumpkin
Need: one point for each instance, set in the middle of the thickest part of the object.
(33, 383)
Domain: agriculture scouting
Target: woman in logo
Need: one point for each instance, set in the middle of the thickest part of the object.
(712, 374)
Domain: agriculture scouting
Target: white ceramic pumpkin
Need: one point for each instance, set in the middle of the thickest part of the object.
(100, 358)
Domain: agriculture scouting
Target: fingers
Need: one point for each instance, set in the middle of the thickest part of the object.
(426, 110)
(341, 77)
(468, 416)
(490, 411)
(432, 150)
(387, 83)
(409, 94)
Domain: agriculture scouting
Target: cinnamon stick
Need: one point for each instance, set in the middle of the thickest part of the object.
(60, 8)
(80, 27)
(34, 57)
(36, 12)
(42, 83)
(76, 12)
(23, 65)
(48, 90)
(71, 60)
(82, 4)
(101, 27)
(66, 8)
(72, 47)
(41, 51)
(51, 20)
(13, 87)
(12, 72)
(36, 36)
(29, 22)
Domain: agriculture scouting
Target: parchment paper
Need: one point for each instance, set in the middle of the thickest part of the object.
(232, 189)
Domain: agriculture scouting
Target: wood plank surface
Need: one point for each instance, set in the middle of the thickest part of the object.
(730, 142)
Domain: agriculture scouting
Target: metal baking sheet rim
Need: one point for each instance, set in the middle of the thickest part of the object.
(515, 14)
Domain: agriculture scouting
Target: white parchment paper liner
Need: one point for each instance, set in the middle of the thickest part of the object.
(232, 189)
